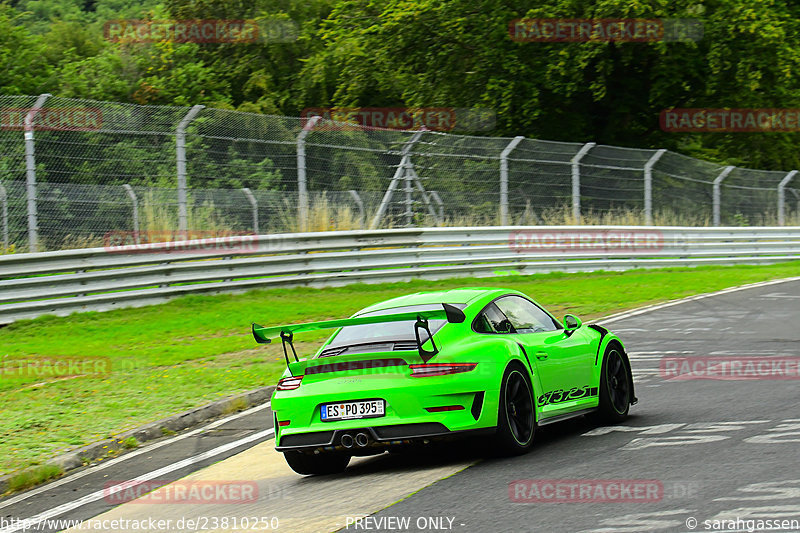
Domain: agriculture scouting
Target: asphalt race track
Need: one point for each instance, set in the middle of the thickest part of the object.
(719, 453)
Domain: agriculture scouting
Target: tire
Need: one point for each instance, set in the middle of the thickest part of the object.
(516, 420)
(317, 464)
(615, 387)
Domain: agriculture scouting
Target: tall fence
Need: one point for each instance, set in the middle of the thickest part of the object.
(78, 173)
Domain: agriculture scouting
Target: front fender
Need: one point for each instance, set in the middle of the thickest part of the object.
(605, 338)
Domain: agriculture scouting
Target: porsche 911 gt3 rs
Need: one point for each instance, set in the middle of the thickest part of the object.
(437, 365)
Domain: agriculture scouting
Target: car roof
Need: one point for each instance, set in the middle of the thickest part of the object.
(464, 295)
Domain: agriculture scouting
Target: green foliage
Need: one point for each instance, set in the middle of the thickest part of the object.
(430, 53)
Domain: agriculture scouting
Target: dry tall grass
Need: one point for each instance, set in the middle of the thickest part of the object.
(323, 216)
(159, 221)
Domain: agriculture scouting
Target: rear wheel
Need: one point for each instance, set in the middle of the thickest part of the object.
(615, 387)
(317, 464)
(515, 419)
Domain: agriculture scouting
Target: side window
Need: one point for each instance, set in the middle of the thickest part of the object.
(492, 320)
(525, 316)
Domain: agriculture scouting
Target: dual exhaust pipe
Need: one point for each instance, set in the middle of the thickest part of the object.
(361, 440)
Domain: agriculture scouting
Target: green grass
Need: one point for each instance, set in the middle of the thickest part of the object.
(33, 476)
(172, 357)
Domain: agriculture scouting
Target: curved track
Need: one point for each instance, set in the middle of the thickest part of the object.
(716, 450)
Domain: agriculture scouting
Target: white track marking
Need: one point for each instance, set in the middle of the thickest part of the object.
(648, 309)
(108, 491)
(125, 457)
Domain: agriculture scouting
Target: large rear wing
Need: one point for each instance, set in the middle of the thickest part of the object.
(451, 313)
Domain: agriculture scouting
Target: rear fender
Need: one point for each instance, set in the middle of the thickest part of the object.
(520, 355)
(503, 352)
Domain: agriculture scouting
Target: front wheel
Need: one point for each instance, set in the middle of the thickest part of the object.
(317, 464)
(615, 387)
(515, 419)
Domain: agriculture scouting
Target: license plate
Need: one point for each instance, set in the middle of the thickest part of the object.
(353, 410)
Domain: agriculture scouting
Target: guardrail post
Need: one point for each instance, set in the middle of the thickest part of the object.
(648, 186)
(405, 160)
(717, 194)
(180, 148)
(135, 203)
(4, 202)
(30, 173)
(302, 186)
(782, 197)
(504, 178)
(254, 204)
(576, 180)
(360, 204)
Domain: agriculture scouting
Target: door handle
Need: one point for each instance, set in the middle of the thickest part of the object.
(541, 356)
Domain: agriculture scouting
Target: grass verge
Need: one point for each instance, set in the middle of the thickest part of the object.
(148, 363)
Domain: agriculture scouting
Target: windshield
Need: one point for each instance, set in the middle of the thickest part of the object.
(389, 330)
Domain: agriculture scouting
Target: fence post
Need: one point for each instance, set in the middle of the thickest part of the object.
(361, 213)
(504, 178)
(135, 203)
(405, 160)
(717, 194)
(439, 204)
(782, 197)
(4, 202)
(30, 173)
(254, 204)
(648, 186)
(796, 197)
(576, 180)
(180, 148)
(302, 184)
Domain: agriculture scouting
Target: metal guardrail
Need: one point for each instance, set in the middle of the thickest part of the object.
(100, 279)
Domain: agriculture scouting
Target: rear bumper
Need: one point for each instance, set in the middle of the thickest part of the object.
(410, 413)
(380, 436)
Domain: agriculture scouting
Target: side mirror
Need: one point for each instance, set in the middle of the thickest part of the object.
(571, 323)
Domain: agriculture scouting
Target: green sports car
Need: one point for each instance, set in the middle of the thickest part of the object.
(435, 365)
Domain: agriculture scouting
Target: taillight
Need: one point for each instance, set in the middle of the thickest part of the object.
(440, 369)
(290, 383)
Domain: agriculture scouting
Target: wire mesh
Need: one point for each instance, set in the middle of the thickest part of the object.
(101, 169)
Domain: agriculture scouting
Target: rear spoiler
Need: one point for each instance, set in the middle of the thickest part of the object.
(451, 313)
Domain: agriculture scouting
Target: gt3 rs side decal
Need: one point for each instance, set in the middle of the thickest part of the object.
(560, 395)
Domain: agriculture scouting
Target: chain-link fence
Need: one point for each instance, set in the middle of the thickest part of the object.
(76, 173)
